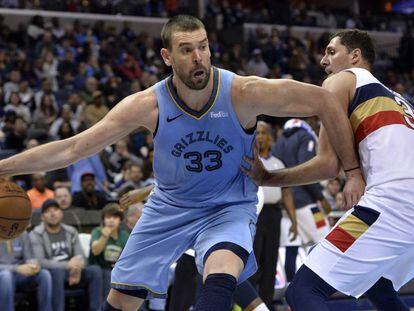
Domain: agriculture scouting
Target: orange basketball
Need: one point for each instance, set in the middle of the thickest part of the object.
(15, 210)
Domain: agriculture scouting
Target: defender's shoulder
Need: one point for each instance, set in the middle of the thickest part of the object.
(344, 78)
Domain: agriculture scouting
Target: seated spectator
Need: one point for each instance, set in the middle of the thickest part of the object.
(15, 104)
(133, 214)
(256, 66)
(132, 201)
(65, 130)
(66, 115)
(46, 89)
(121, 153)
(96, 110)
(107, 243)
(135, 178)
(20, 271)
(332, 188)
(64, 198)
(91, 86)
(39, 193)
(340, 201)
(12, 85)
(88, 197)
(16, 135)
(130, 68)
(46, 113)
(26, 93)
(58, 249)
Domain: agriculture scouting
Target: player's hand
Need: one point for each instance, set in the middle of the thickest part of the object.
(293, 232)
(134, 196)
(257, 171)
(27, 269)
(354, 188)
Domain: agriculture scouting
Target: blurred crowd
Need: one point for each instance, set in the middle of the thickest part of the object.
(228, 13)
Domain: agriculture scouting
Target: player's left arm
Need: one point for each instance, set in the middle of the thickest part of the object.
(253, 96)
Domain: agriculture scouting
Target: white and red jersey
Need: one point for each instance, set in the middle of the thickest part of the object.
(383, 125)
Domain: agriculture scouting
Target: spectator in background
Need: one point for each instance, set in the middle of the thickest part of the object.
(26, 93)
(39, 193)
(48, 68)
(107, 243)
(63, 197)
(91, 86)
(46, 89)
(133, 214)
(135, 178)
(95, 110)
(340, 201)
(35, 28)
(45, 114)
(66, 116)
(16, 134)
(58, 249)
(130, 68)
(65, 131)
(15, 104)
(20, 271)
(331, 190)
(120, 155)
(88, 197)
(256, 65)
(12, 85)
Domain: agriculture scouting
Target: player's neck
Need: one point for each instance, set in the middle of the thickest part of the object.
(194, 99)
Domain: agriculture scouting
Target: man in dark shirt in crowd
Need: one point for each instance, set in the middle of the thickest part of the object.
(58, 248)
(88, 197)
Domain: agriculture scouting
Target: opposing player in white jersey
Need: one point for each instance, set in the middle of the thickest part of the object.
(371, 249)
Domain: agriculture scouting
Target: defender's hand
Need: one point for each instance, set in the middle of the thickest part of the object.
(354, 188)
(257, 171)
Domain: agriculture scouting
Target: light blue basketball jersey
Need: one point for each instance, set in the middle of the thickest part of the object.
(197, 154)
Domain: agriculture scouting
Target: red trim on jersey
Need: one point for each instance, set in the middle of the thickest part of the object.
(376, 121)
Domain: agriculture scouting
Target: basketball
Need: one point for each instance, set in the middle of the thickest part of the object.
(15, 210)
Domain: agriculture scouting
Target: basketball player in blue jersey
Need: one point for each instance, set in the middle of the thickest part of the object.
(371, 249)
(203, 121)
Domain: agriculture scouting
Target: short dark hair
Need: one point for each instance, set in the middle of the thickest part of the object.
(180, 22)
(112, 209)
(357, 39)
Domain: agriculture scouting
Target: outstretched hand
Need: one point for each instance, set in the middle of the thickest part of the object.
(257, 171)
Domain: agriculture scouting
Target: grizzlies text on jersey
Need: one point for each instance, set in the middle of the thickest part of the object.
(198, 153)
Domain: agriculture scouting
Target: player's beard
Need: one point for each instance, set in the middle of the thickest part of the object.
(191, 80)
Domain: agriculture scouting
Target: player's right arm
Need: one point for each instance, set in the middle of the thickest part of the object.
(139, 109)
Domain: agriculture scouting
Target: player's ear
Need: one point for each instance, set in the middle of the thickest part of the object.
(356, 56)
(166, 56)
